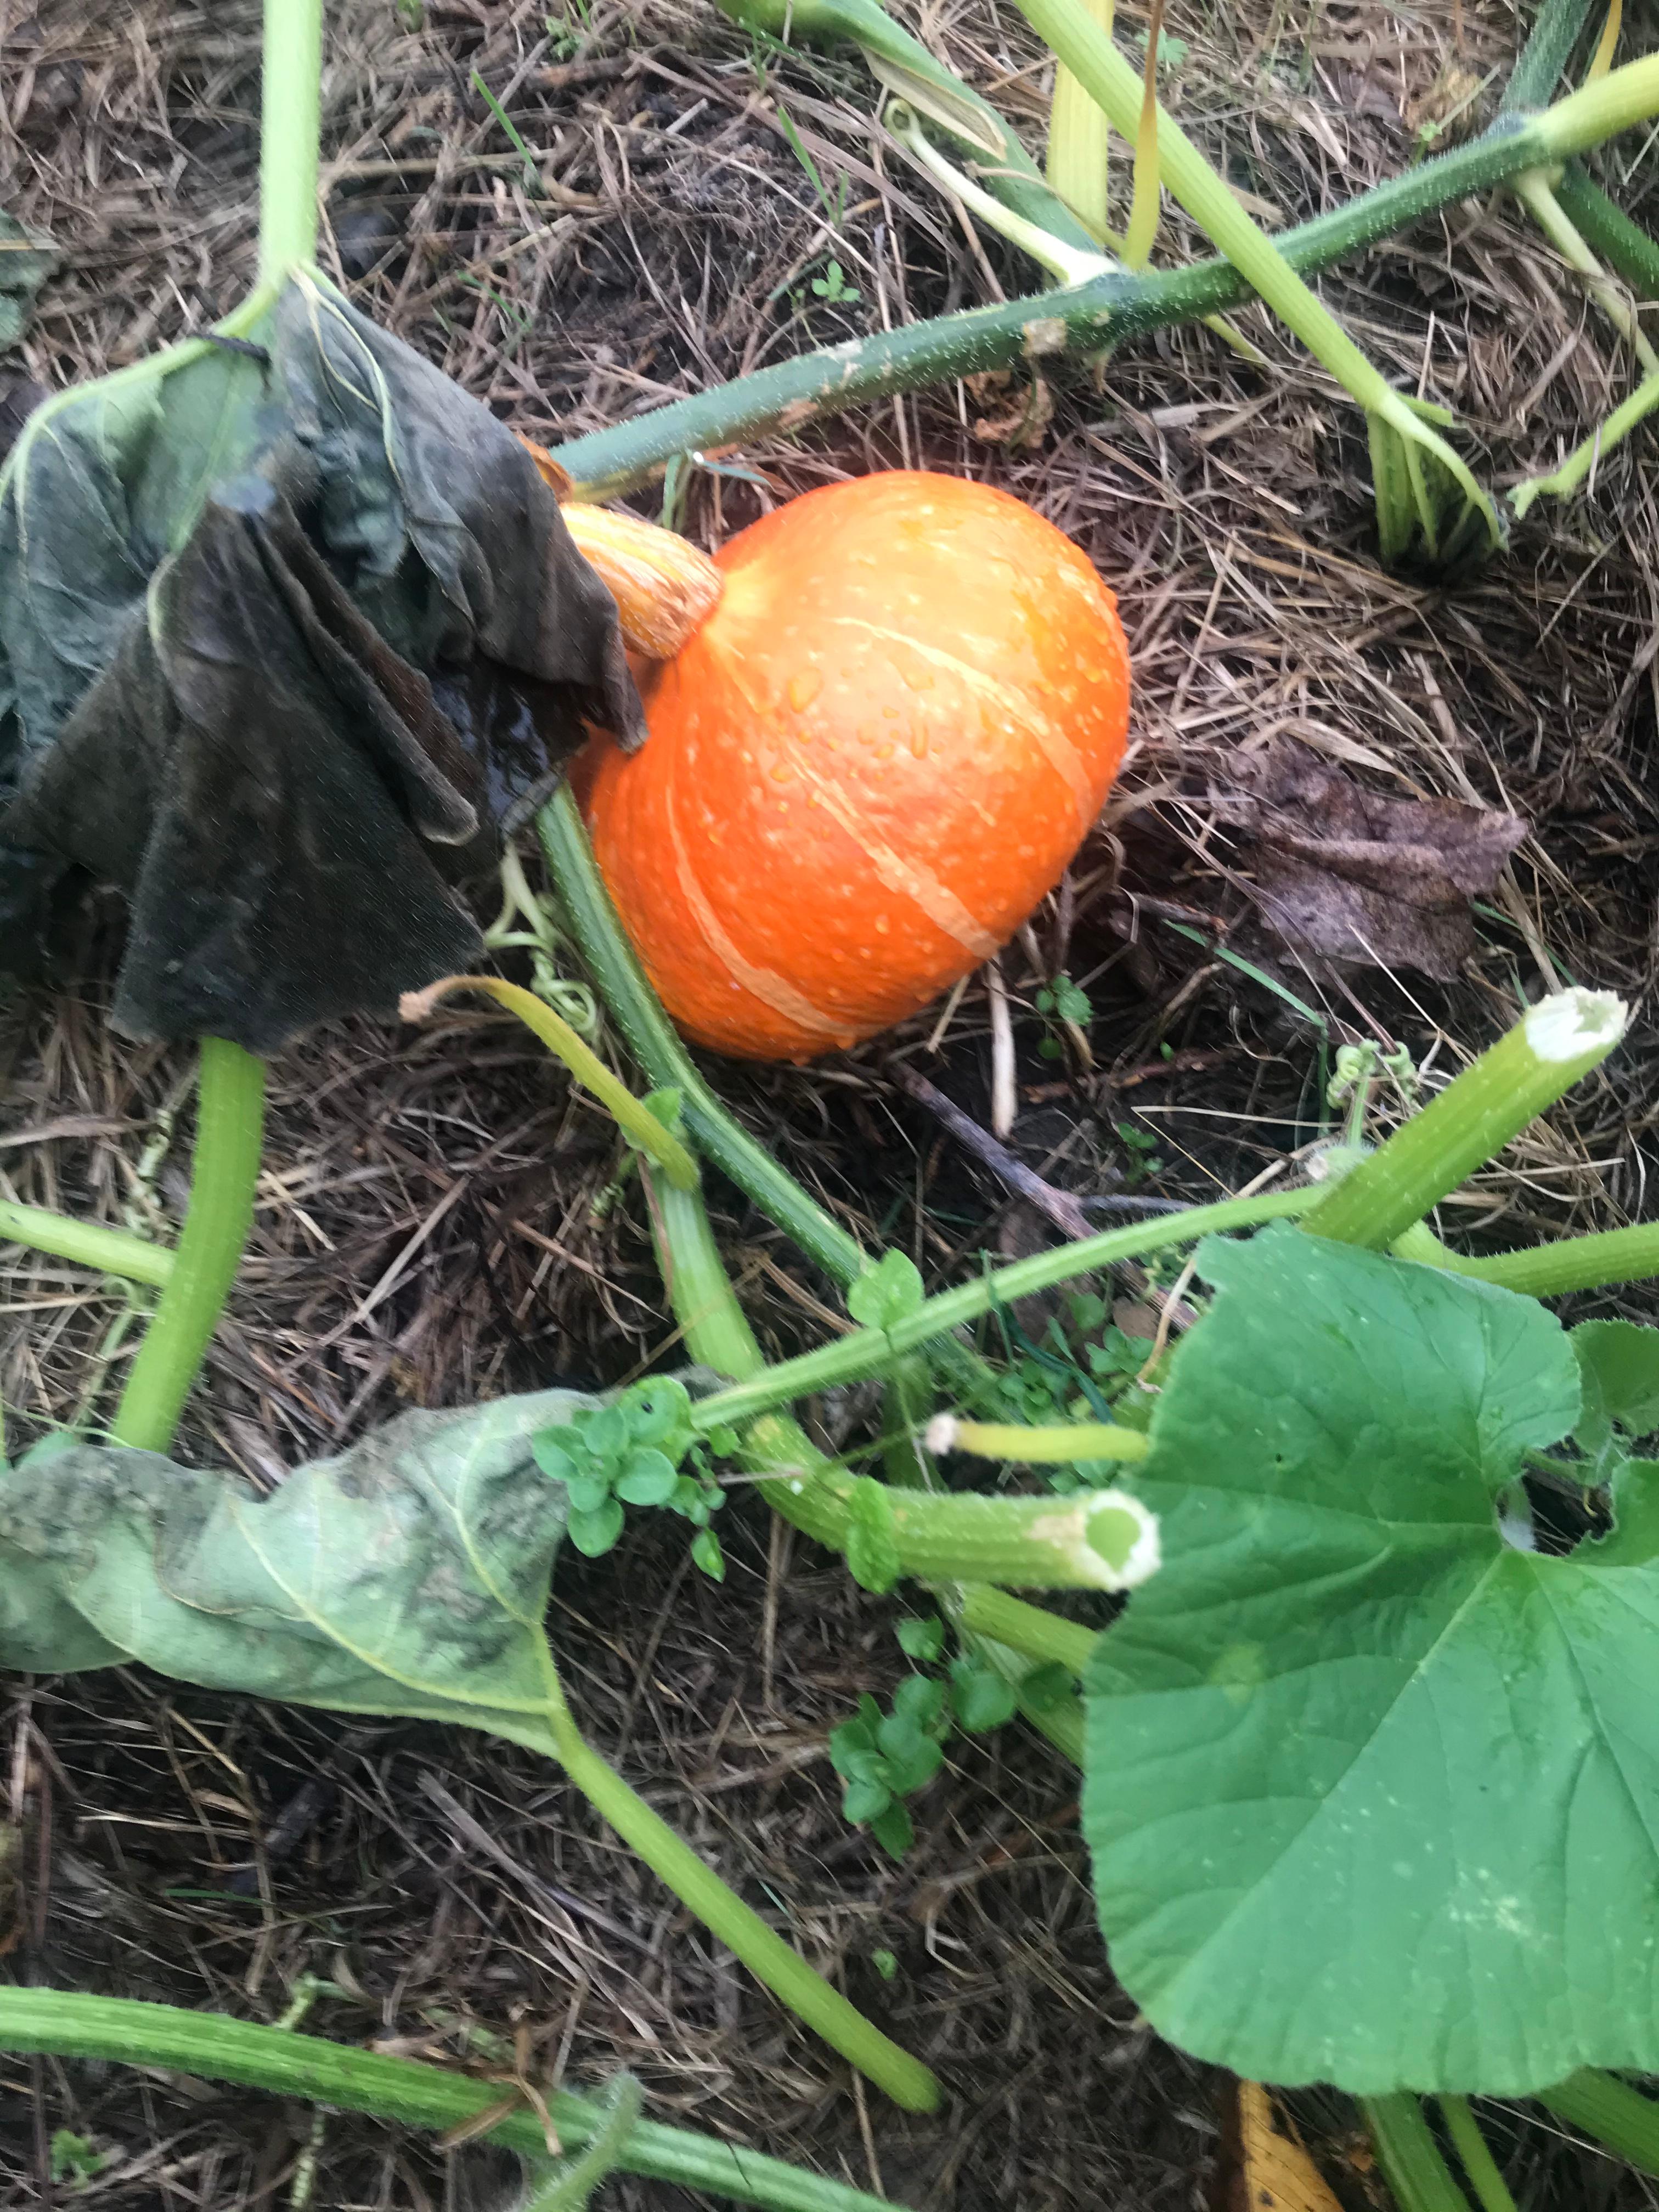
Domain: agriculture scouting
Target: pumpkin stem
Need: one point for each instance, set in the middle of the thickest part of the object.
(664, 587)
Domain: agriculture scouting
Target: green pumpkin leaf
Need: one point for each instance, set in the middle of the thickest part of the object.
(407, 1576)
(1619, 1364)
(1373, 1797)
(886, 1293)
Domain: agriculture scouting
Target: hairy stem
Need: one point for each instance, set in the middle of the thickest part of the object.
(868, 1350)
(1553, 1047)
(229, 1128)
(1609, 231)
(1474, 2156)
(634, 1006)
(1409, 2156)
(1079, 42)
(1611, 2111)
(1094, 1540)
(1026, 1628)
(636, 1121)
(119, 2030)
(1549, 46)
(1537, 196)
(87, 1243)
(290, 126)
(1105, 311)
(723, 1912)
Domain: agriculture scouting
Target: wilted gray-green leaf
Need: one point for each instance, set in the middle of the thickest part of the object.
(408, 1576)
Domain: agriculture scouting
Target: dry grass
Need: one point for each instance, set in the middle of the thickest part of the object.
(437, 1217)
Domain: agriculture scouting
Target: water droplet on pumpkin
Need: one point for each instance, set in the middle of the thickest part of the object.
(805, 687)
(918, 743)
(918, 675)
(884, 751)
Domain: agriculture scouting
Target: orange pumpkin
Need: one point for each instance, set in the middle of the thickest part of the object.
(868, 767)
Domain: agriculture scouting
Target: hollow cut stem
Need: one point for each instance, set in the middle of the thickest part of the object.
(1554, 1046)
(1097, 1540)
(229, 1129)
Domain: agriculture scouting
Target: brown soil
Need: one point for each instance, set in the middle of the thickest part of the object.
(437, 1220)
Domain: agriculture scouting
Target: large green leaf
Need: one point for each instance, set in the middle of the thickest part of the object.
(1372, 1796)
(408, 1576)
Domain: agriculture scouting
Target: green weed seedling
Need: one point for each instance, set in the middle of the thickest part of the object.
(1064, 1006)
(884, 1758)
(640, 1449)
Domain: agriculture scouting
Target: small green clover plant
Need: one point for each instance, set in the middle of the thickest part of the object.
(73, 2161)
(1063, 1005)
(639, 1450)
(883, 1759)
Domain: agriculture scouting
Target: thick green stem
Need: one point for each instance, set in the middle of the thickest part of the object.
(592, 921)
(636, 1121)
(1086, 50)
(868, 1350)
(1548, 1271)
(1536, 195)
(1107, 310)
(1026, 1628)
(1613, 103)
(1609, 231)
(1549, 46)
(1474, 2154)
(1555, 1043)
(1409, 2156)
(1611, 2111)
(118, 2031)
(229, 1127)
(1062, 1444)
(1097, 1540)
(637, 1013)
(289, 127)
(106, 1251)
(768, 1956)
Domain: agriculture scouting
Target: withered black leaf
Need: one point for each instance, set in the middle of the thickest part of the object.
(286, 638)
